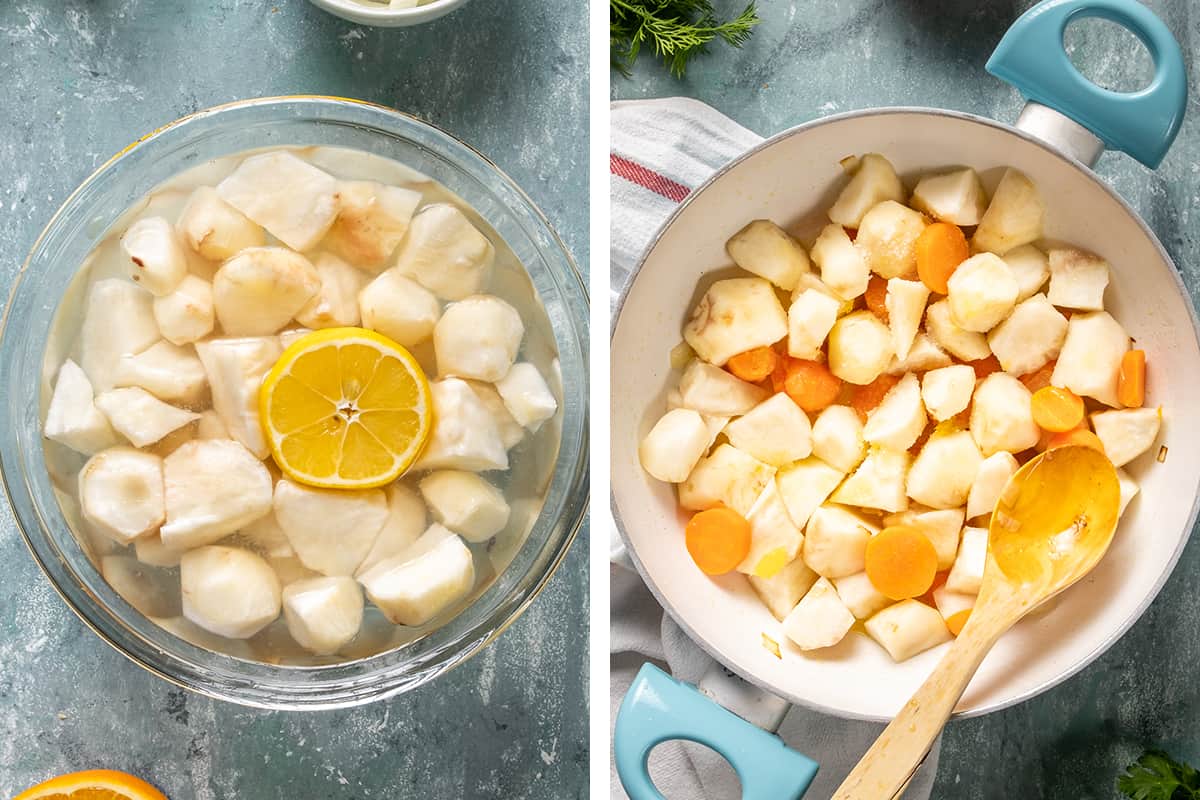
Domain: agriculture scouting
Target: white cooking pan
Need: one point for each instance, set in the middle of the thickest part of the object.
(791, 179)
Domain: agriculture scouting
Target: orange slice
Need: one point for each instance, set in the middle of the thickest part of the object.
(96, 784)
(345, 408)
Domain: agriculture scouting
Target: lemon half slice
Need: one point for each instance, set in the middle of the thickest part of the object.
(345, 408)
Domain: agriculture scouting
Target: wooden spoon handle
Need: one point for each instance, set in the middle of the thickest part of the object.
(887, 767)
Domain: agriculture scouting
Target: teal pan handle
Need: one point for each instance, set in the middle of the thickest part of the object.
(1033, 58)
(657, 708)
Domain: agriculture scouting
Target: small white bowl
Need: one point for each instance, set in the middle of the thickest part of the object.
(384, 17)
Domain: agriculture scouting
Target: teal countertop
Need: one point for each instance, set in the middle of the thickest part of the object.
(811, 58)
(84, 78)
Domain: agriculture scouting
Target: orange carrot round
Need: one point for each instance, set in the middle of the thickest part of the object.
(955, 622)
(876, 297)
(941, 247)
(1039, 378)
(753, 365)
(1056, 409)
(985, 366)
(1080, 436)
(811, 385)
(901, 562)
(867, 398)
(718, 540)
(779, 374)
(1131, 381)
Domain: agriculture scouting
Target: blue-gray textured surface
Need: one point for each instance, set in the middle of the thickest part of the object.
(810, 58)
(83, 78)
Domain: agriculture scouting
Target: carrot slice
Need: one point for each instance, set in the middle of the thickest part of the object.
(1080, 436)
(867, 398)
(941, 247)
(1131, 381)
(811, 385)
(955, 622)
(901, 562)
(779, 374)
(1056, 409)
(753, 365)
(718, 540)
(1039, 378)
(985, 366)
(876, 297)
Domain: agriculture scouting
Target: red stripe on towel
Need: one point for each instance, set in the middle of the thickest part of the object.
(647, 178)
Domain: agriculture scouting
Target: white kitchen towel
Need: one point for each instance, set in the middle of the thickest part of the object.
(660, 151)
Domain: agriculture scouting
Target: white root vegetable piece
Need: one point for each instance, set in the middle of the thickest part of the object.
(204, 469)
(446, 254)
(956, 197)
(121, 493)
(1077, 279)
(235, 369)
(843, 267)
(810, 318)
(764, 248)
(1127, 433)
(266, 537)
(905, 303)
(149, 591)
(1030, 267)
(782, 591)
(923, 356)
(837, 438)
(950, 603)
(478, 338)
(714, 422)
(674, 445)
(464, 434)
(260, 290)
(187, 314)
(119, 320)
(887, 238)
(711, 390)
(511, 431)
(157, 261)
(961, 343)
(335, 304)
(1031, 336)
(835, 541)
(899, 419)
(331, 530)
(947, 391)
(323, 614)
(874, 182)
(371, 223)
(1129, 489)
(1090, 360)
(229, 591)
(214, 229)
(941, 526)
(776, 431)
(296, 202)
(399, 308)
(290, 569)
(967, 573)
(907, 629)
(860, 348)
(774, 539)
(1014, 216)
(73, 419)
(942, 473)
(141, 417)
(734, 316)
(167, 371)
(878, 482)
(727, 476)
(526, 395)
(412, 591)
(860, 595)
(1001, 415)
(990, 480)
(810, 280)
(465, 503)
(820, 619)
(983, 291)
(407, 520)
(150, 550)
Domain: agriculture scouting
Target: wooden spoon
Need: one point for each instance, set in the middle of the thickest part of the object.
(1052, 525)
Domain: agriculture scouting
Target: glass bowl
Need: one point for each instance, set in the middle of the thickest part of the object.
(84, 219)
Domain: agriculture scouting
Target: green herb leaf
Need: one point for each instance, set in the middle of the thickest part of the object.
(1156, 776)
(678, 30)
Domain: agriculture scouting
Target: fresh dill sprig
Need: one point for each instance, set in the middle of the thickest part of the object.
(678, 30)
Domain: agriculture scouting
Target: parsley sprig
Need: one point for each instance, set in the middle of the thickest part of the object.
(678, 30)
(1156, 776)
